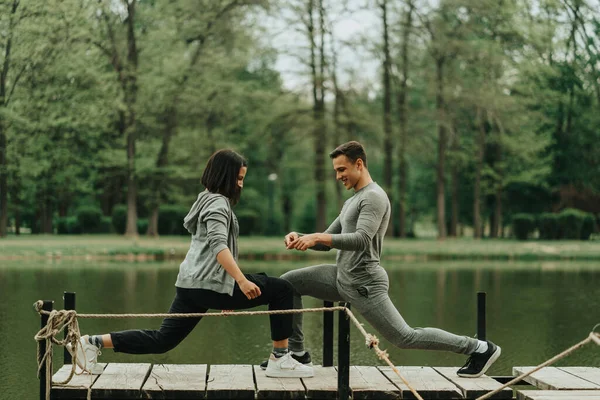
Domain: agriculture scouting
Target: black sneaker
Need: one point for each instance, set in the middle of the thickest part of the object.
(305, 359)
(479, 363)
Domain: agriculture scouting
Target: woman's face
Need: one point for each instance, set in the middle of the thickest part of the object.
(241, 176)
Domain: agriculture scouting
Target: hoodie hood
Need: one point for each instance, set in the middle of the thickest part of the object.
(190, 222)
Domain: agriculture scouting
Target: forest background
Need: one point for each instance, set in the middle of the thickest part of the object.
(473, 112)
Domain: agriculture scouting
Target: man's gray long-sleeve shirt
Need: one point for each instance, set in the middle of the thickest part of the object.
(214, 228)
(358, 235)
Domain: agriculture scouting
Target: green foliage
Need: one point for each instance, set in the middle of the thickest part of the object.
(571, 221)
(249, 221)
(67, 225)
(523, 225)
(588, 227)
(549, 226)
(119, 218)
(170, 220)
(142, 226)
(90, 219)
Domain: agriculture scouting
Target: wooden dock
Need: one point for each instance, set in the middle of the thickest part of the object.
(162, 381)
(177, 381)
(561, 383)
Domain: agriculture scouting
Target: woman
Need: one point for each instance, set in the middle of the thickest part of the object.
(209, 278)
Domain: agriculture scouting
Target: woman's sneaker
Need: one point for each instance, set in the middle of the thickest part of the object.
(287, 367)
(304, 359)
(87, 356)
(479, 363)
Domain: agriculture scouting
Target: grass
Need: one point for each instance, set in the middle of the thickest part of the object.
(114, 246)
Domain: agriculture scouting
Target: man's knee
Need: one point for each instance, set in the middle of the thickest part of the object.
(291, 277)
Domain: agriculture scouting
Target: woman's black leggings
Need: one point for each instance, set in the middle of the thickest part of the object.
(275, 292)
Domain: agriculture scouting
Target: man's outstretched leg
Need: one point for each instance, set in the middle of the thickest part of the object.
(373, 302)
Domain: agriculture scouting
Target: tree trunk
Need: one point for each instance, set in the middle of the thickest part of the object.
(440, 188)
(130, 129)
(3, 140)
(403, 122)
(318, 117)
(478, 170)
(3, 182)
(455, 207)
(162, 161)
(337, 124)
(387, 112)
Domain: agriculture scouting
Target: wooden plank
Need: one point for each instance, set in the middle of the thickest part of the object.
(77, 387)
(558, 394)
(425, 380)
(323, 385)
(230, 382)
(589, 374)
(277, 388)
(121, 381)
(171, 381)
(370, 383)
(552, 378)
(474, 387)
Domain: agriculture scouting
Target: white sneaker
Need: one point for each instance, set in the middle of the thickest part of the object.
(87, 356)
(287, 367)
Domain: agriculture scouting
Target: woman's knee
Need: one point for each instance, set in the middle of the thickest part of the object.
(280, 285)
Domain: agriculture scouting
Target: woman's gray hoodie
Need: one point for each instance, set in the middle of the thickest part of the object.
(214, 228)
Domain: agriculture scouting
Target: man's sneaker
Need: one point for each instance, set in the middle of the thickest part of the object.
(87, 356)
(287, 367)
(479, 363)
(305, 359)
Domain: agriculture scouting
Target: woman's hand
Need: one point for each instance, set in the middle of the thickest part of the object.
(249, 289)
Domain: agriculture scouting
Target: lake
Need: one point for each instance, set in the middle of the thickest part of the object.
(534, 311)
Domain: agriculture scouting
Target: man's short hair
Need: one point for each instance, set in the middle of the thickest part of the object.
(353, 150)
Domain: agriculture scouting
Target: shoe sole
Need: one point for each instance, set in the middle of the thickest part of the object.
(310, 364)
(289, 374)
(487, 365)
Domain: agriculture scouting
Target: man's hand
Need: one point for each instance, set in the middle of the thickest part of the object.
(289, 238)
(249, 289)
(305, 242)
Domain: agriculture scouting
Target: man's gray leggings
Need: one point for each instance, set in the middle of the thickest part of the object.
(372, 301)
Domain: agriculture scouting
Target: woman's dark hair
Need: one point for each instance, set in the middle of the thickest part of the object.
(353, 150)
(221, 174)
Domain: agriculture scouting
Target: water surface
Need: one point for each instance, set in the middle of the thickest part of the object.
(535, 310)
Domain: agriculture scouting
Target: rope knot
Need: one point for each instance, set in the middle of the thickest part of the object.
(371, 340)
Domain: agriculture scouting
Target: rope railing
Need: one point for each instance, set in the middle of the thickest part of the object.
(59, 320)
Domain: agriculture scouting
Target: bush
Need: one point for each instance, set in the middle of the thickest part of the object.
(170, 220)
(249, 221)
(589, 226)
(142, 226)
(89, 219)
(549, 226)
(119, 218)
(571, 222)
(523, 225)
(67, 225)
(106, 226)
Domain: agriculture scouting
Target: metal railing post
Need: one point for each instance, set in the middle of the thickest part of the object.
(48, 306)
(69, 303)
(344, 355)
(481, 329)
(328, 336)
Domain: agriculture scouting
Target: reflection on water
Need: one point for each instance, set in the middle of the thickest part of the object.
(535, 310)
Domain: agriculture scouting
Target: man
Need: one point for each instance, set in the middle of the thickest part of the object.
(357, 275)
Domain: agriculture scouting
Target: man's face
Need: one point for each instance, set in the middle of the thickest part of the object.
(346, 171)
